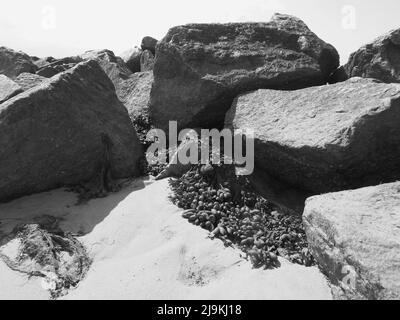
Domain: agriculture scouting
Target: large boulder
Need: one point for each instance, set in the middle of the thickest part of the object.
(379, 59)
(68, 130)
(200, 68)
(54, 67)
(355, 237)
(41, 62)
(135, 93)
(29, 80)
(325, 138)
(113, 66)
(12, 63)
(146, 61)
(149, 43)
(132, 59)
(133, 89)
(8, 88)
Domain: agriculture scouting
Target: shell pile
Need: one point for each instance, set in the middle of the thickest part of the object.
(215, 199)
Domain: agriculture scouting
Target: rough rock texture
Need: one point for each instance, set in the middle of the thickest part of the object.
(149, 43)
(326, 138)
(146, 61)
(132, 59)
(200, 68)
(379, 59)
(29, 80)
(8, 88)
(355, 237)
(135, 93)
(113, 66)
(41, 62)
(12, 63)
(51, 69)
(68, 130)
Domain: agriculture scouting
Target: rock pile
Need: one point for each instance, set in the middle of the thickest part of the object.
(201, 68)
(72, 121)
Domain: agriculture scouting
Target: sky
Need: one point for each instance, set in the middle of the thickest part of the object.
(62, 28)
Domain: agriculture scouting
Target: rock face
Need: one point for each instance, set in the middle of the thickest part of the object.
(8, 88)
(29, 80)
(379, 59)
(326, 138)
(12, 63)
(135, 93)
(146, 61)
(355, 237)
(133, 90)
(132, 59)
(149, 43)
(54, 67)
(200, 68)
(113, 66)
(69, 130)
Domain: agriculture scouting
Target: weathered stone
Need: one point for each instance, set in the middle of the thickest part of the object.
(133, 89)
(379, 59)
(146, 61)
(200, 68)
(135, 93)
(132, 59)
(41, 62)
(8, 88)
(149, 43)
(60, 65)
(113, 66)
(12, 63)
(355, 237)
(68, 130)
(29, 80)
(326, 138)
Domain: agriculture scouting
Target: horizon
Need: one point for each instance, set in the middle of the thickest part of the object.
(51, 28)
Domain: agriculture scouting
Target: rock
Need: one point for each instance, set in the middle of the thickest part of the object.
(29, 80)
(355, 237)
(8, 88)
(132, 59)
(175, 167)
(135, 93)
(149, 43)
(41, 62)
(339, 75)
(69, 130)
(326, 138)
(12, 63)
(379, 59)
(200, 68)
(113, 66)
(146, 61)
(133, 90)
(55, 67)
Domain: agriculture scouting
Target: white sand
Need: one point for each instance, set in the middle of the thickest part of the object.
(143, 249)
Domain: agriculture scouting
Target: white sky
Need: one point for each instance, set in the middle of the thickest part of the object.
(61, 28)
